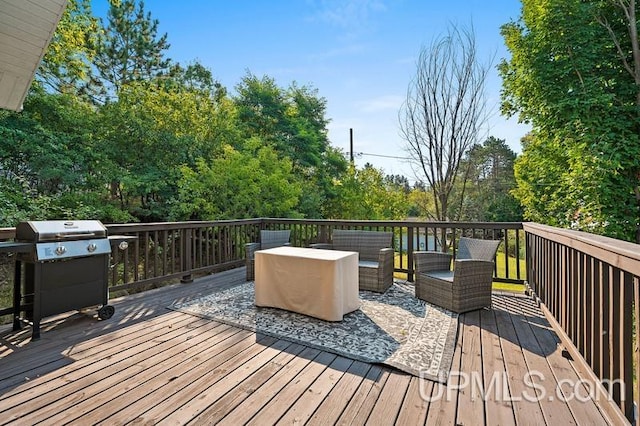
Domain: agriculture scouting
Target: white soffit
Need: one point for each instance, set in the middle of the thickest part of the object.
(26, 28)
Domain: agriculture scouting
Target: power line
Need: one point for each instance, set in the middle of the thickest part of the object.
(359, 154)
(384, 156)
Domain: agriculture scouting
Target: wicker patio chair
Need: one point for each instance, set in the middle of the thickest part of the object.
(375, 255)
(468, 286)
(268, 239)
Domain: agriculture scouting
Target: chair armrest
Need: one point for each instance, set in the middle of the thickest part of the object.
(385, 258)
(385, 254)
(250, 249)
(325, 246)
(428, 261)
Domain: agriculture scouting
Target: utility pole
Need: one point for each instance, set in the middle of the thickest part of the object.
(351, 144)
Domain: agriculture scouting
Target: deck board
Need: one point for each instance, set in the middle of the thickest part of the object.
(443, 400)
(414, 407)
(553, 409)
(150, 364)
(470, 400)
(158, 393)
(392, 395)
(334, 404)
(272, 411)
(237, 396)
(498, 406)
(526, 410)
(306, 405)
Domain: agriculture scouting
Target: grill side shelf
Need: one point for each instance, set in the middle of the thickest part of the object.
(11, 247)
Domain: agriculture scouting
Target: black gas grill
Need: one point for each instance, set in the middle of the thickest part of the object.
(66, 269)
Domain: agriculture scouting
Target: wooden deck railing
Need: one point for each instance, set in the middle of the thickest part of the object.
(588, 284)
(172, 250)
(164, 251)
(176, 250)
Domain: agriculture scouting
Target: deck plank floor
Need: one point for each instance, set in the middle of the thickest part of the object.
(151, 365)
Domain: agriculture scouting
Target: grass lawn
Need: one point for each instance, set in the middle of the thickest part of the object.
(501, 266)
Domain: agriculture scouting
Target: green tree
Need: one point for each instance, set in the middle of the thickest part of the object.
(366, 194)
(487, 196)
(150, 132)
(420, 202)
(67, 64)
(293, 122)
(262, 109)
(196, 77)
(130, 49)
(565, 76)
(400, 181)
(49, 167)
(238, 185)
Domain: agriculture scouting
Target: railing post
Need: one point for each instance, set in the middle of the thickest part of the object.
(410, 253)
(186, 255)
(17, 294)
(528, 264)
(323, 235)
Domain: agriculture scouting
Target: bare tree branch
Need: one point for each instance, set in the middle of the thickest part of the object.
(444, 111)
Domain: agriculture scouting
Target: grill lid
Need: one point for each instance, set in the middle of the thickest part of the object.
(59, 230)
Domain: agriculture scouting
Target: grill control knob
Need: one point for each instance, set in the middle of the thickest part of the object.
(60, 250)
(92, 247)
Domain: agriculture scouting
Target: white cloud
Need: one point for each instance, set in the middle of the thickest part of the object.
(382, 103)
(346, 14)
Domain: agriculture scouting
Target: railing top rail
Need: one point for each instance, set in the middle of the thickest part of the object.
(132, 227)
(114, 228)
(429, 224)
(621, 254)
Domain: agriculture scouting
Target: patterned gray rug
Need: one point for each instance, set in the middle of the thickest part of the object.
(393, 328)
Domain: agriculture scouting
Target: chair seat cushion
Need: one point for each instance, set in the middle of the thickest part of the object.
(367, 264)
(441, 275)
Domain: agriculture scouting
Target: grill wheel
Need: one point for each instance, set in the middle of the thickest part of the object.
(106, 312)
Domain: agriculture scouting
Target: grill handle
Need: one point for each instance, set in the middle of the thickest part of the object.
(75, 236)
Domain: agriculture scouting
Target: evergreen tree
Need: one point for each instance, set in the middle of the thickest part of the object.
(130, 49)
(490, 180)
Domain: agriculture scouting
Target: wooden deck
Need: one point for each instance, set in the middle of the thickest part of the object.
(151, 365)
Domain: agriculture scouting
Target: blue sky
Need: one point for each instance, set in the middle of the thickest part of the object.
(359, 54)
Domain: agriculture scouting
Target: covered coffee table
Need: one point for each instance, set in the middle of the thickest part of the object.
(318, 283)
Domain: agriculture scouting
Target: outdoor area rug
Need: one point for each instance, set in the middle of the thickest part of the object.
(393, 328)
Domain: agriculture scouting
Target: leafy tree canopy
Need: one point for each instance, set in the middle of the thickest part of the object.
(66, 66)
(238, 185)
(114, 130)
(566, 77)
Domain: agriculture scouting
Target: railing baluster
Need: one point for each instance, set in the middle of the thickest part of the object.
(627, 352)
(155, 253)
(588, 310)
(597, 302)
(636, 349)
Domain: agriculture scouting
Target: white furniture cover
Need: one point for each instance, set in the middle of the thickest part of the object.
(318, 283)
